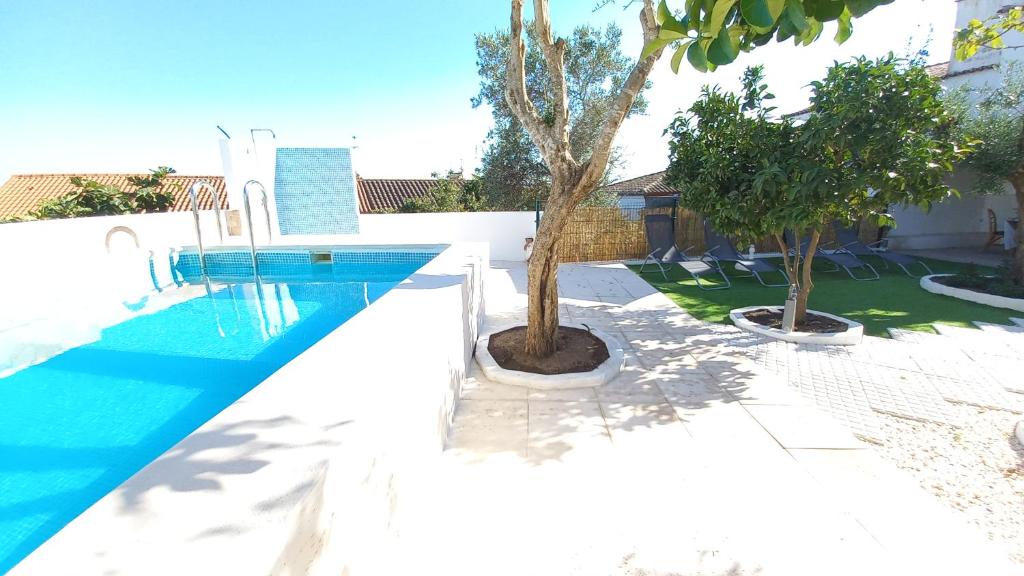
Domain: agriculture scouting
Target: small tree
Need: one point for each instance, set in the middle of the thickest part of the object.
(878, 135)
(151, 194)
(711, 33)
(993, 117)
(450, 194)
(512, 169)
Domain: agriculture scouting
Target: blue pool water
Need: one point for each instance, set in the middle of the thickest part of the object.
(79, 424)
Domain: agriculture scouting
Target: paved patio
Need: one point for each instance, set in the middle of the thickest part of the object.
(699, 459)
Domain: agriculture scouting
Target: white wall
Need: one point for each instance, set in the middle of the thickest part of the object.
(983, 9)
(504, 232)
(954, 223)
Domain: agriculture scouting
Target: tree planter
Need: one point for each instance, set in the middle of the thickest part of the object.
(971, 295)
(853, 334)
(608, 369)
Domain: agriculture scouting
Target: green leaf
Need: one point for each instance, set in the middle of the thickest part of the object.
(824, 10)
(811, 34)
(756, 13)
(693, 13)
(655, 45)
(775, 8)
(796, 16)
(677, 58)
(859, 8)
(696, 56)
(666, 34)
(724, 49)
(668, 21)
(717, 18)
(845, 27)
(663, 13)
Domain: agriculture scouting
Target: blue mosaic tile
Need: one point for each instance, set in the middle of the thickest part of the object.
(314, 189)
(284, 262)
(365, 265)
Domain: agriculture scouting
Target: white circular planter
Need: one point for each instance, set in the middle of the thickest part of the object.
(853, 335)
(970, 295)
(608, 369)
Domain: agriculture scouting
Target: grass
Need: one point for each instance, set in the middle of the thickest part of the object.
(893, 301)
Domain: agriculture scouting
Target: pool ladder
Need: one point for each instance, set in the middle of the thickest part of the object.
(193, 194)
(248, 219)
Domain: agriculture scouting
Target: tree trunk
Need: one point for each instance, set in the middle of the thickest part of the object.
(805, 277)
(1018, 258)
(542, 270)
(542, 289)
(571, 181)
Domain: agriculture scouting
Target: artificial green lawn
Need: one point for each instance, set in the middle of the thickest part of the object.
(893, 301)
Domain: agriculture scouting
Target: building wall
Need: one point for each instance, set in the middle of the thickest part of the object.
(955, 223)
(963, 221)
(967, 10)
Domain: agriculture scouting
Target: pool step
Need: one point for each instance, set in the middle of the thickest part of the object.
(988, 342)
(999, 328)
(918, 337)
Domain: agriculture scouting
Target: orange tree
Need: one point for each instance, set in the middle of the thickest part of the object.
(877, 135)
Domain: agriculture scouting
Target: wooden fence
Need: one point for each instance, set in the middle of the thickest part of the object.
(612, 233)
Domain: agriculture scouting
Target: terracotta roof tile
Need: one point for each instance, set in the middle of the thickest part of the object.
(647, 185)
(377, 194)
(23, 193)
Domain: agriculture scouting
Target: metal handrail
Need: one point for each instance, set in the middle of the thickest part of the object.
(248, 219)
(193, 193)
(199, 234)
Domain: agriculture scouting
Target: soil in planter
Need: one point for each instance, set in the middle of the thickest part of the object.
(814, 323)
(576, 351)
(994, 285)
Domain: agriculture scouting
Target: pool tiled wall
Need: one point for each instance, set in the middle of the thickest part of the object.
(314, 189)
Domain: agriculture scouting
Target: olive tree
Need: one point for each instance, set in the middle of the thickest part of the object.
(996, 123)
(708, 33)
(877, 135)
(993, 118)
(988, 33)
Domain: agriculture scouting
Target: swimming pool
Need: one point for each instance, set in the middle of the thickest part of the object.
(78, 424)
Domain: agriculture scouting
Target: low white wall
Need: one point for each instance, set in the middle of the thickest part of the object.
(504, 231)
(954, 223)
(312, 471)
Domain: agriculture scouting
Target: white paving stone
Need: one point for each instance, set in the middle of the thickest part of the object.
(715, 452)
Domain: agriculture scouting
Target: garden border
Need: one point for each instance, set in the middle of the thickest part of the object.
(604, 373)
(853, 334)
(971, 295)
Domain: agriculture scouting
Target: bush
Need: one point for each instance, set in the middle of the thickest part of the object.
(91, 198)
(999, 284)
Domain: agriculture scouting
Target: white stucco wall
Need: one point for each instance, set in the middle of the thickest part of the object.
(963, 221)
(966, 10)
(505, 232)
(954, 223)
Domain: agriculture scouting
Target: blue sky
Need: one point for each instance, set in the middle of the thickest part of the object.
(116, 85)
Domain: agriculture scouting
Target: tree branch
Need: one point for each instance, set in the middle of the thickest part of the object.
(515, 88)
(595, 166)
(554, 58)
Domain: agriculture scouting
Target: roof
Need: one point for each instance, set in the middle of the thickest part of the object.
(379, 194)
(24, 192)
(940, 71)
(647, 185)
